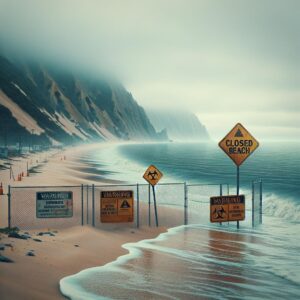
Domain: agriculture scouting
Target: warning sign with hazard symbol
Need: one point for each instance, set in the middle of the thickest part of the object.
(238, 144)
(116, 206)
(152, 175)
(227, 208)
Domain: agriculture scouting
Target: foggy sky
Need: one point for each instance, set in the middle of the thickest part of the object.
(227, 61)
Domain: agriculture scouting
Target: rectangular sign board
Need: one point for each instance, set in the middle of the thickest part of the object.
(227, 208)
(54, 204)
(116, 206)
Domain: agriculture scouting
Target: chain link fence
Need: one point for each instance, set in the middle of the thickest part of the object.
(64, 206)
(199, 200)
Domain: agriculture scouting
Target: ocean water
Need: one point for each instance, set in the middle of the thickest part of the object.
(205, 261)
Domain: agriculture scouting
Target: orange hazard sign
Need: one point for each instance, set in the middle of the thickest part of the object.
(227, 208)
(116, 206)
(152, 175)
(238, 144)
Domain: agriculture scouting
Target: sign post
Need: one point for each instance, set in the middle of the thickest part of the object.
(238, 144)
(152, 176)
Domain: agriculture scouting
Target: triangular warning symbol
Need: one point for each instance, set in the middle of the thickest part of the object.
(238, 133)
(125, 204)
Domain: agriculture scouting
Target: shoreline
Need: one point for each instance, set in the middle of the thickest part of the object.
(70, 250)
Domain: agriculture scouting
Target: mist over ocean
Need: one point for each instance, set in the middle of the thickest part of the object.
(205, 261)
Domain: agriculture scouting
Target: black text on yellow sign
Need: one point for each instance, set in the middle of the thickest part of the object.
(227, 208)
(116, 206)
(152, 175)
(238, 144)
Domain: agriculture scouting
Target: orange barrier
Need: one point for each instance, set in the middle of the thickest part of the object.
(1, 189)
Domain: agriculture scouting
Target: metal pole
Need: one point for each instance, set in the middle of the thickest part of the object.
(9, 207)
(82, 221)
(137, 206)
(221, 192)
(237, 189)
(93, 205)
(253, 204)
(87, 204)
(260, 202)
(149, 206)
(185, 204)
(155, 208)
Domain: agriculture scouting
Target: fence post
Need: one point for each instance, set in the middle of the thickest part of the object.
(252, 203)
(93, 205)
(221, 190)
(137, 206)
(82, 221)
(185, 204)
(9, 207)
(260, 202)
(149, 206)
(87, 204)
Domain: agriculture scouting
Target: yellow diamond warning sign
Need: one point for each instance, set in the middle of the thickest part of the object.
(116, 206)
(152, 175)
(227, 208)
(238, 144)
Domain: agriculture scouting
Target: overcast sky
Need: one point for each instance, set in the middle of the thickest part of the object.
(227, 61)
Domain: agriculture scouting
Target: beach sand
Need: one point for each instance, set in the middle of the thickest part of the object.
(57, 256)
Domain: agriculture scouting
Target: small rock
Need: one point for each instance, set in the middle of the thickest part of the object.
(76, 245)
(30, 253)
(5, 259)
(17, 236)
(2, 247)
(46, 233)
(8, 245)
(37, 240)
(132, 231)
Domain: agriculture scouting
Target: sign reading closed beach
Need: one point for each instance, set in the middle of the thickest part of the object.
(238, 144)
(116, 206)
(54, 204)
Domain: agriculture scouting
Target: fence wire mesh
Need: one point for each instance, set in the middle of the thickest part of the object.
(24, 208)
(256, 203)
(199, 200)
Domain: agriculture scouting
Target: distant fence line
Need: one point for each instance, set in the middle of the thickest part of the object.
(179, 203)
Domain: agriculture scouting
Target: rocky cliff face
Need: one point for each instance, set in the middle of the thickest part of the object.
(180, 125)
(53, 106)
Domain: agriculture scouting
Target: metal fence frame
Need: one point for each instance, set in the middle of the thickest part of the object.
(260, 183)
(88, 209)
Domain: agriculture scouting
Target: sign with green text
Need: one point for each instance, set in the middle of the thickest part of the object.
(54, 204)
